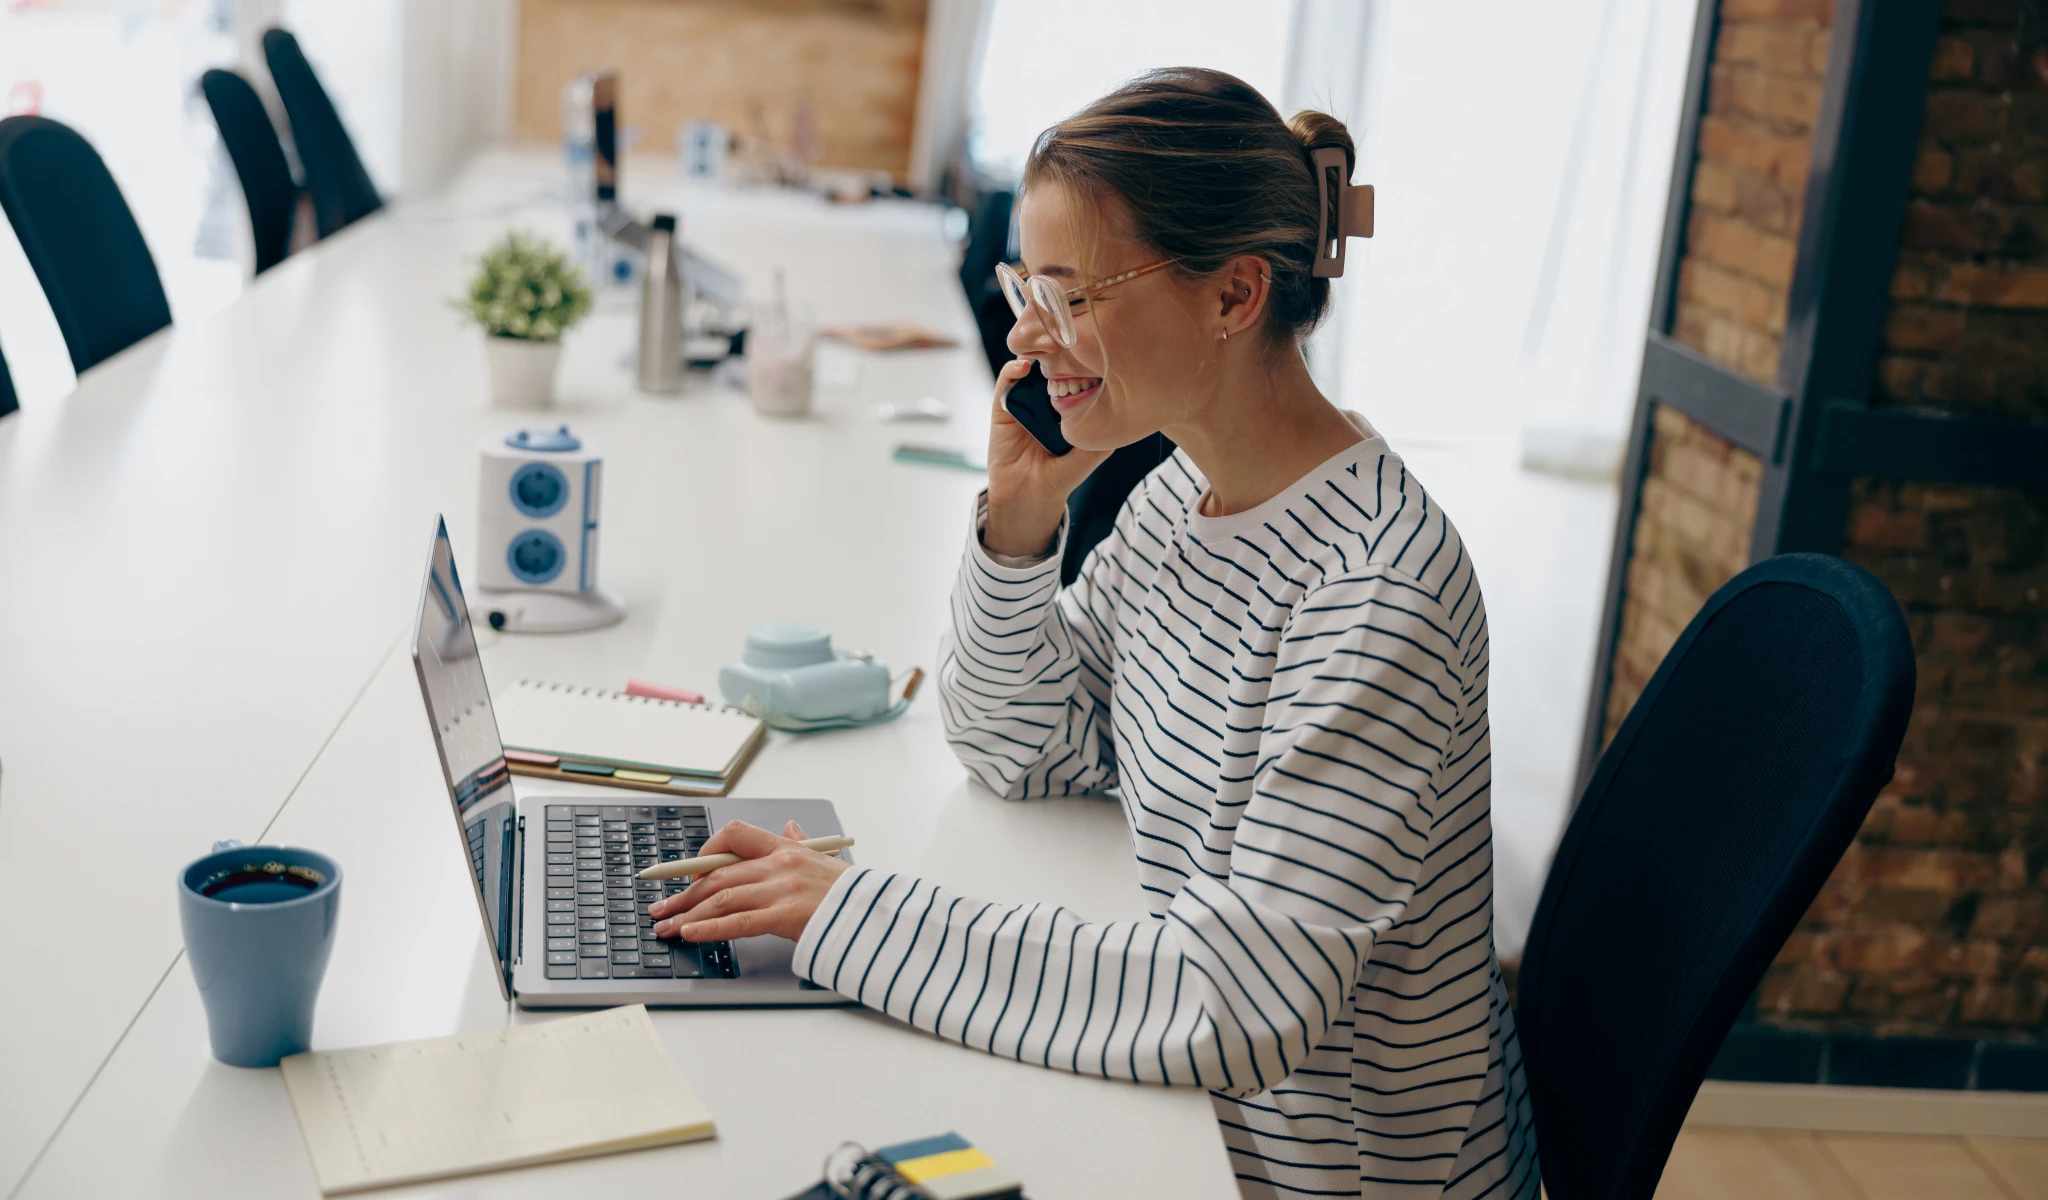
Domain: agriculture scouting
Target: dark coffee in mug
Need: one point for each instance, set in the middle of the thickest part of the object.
(259, 924)
(260, 883)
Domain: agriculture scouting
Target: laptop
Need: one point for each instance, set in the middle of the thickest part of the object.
(556, 876)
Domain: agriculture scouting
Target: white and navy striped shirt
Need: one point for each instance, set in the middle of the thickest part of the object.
(1291, 704)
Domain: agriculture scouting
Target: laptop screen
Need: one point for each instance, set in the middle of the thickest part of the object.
(466, 735)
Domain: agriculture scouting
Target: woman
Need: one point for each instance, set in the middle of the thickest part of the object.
(1278, 660)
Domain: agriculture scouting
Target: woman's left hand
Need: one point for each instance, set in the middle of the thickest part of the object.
(775, 891)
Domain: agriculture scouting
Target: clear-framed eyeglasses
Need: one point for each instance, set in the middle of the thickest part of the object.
(1056, 305)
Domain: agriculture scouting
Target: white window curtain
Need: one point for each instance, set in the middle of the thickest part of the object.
(1521, 181)
(1330, 67)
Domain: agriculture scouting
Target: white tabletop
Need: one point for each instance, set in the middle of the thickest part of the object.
(224, 530)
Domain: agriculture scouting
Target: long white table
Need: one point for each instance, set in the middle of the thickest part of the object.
(210, 553)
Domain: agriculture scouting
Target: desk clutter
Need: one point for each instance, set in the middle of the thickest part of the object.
(407, 1112)
(264, 918)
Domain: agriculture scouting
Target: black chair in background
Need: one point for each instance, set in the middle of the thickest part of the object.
(8, 401)
(341, 188)
(81, 239)
(988, 243)
(1092, 507)
(1708, 828)
(259, 160)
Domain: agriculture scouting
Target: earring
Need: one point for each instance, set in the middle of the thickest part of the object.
(1226, 335)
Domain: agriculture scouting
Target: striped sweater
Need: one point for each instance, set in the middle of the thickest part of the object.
(1290, 703)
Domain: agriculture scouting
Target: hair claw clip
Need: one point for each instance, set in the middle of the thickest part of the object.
(1347, 211)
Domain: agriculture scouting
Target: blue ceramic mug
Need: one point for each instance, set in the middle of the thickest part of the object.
(259, 925)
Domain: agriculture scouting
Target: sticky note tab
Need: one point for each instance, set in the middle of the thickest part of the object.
(938, 1166)
(949, 1167)
(641, 776)
(528, 756)
(985, 1183)
(655, 691)
(572, 767)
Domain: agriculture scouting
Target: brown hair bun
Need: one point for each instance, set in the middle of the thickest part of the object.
(1320, 131)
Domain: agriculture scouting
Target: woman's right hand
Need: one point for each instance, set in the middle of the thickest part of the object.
(1027, 486)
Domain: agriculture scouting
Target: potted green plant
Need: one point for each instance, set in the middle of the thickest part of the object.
(525, 296)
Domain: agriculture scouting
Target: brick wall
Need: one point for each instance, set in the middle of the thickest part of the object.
(1697, 506)
(1937, 920)
(1749, 182)
(1748, 187)
(1969, 315)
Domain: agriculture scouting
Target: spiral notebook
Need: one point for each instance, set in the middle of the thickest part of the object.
(597, 1083)
(594, 735)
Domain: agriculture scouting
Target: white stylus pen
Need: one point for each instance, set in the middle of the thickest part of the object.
(711, 862)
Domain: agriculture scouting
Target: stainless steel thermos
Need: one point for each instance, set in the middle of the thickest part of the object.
(661, 311)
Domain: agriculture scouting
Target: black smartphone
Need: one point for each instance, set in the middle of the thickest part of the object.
(1031, 403)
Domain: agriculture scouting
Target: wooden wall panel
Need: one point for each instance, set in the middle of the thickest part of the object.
(856, 61)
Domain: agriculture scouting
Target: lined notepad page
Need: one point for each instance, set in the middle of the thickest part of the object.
(412, 1111)
(629, 731)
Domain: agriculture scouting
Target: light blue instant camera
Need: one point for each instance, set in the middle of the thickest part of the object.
(791, 678)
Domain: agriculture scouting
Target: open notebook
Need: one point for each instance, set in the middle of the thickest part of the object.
(591, 1084)
(593, 735)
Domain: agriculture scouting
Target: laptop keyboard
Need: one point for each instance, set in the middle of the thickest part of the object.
(597, 921)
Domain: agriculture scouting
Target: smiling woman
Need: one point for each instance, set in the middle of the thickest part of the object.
(1277, 661)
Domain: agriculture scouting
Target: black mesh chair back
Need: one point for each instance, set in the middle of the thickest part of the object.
(1706, 831)
(78, 234)
(988, 240)
(8, 401)
(253, 147)
(1092, 508)
(341, 188)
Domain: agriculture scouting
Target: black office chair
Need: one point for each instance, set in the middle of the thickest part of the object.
(1092, 507)
(259, 160)
(8, 401)
(341, 188)
(78, 234)
(1708, 828)
(988, 243)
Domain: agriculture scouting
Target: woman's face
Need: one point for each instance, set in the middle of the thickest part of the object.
(1159, 340)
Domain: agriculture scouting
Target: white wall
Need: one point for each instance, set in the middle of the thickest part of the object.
(421, 84)
(459, 61)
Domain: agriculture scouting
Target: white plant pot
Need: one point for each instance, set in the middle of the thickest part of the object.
(522, 371)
